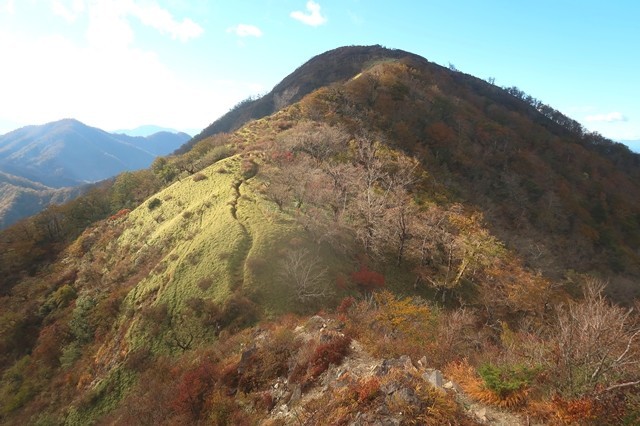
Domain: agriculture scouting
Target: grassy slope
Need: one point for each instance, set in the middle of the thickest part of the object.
(195, 225)
(200, 238)
(208, 229)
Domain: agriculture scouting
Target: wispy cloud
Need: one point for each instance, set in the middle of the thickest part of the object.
(69, 13)
(313, 17)
(110, 18)
(606, 118)
(106, 64)
(152, 15)
(8, 7)
(244, 30)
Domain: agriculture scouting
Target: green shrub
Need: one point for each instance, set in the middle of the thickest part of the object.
(506, 379)
(79, 325)
(154, 203)
(70, 354)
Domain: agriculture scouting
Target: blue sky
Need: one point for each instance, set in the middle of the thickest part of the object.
(119, 64)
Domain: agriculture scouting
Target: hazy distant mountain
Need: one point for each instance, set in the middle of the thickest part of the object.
(20, 197)
(161, 143)
(40, 165)
(146, 130)
(70, 153)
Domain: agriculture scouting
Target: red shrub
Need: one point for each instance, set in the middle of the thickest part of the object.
(367, 280)
(282, 157)
(368, 389)
(193, 390)
(345, 305)
(324, 354)
(331, 352)
(120, 214)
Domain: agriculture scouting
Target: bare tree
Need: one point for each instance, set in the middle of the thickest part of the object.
(598, 344)
(302, 271)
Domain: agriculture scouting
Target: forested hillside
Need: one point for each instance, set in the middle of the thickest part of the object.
(400, 244)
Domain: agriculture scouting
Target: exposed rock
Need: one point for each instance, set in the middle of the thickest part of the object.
(295, 394)
(481, 414)
(315, 323)
(246, 358)
(422, 362)
(434, 377)
(451, 385)
(403, 363)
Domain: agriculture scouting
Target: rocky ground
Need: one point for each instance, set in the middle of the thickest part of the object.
(291, 402)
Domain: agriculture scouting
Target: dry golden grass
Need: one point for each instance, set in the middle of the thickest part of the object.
(466, 376)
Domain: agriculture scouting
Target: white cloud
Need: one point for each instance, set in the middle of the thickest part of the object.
(313, 18)
(104, 79)
(109, 25)
(607, 118)
(152, 15)
(116, 88)
(243, 30)
(8, 7)
(69, 13)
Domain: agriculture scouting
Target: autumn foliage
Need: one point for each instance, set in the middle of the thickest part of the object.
(367, 280)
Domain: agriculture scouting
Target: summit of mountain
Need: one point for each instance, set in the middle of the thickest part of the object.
(330, 67)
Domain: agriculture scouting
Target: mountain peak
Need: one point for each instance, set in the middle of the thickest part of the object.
(330, 67)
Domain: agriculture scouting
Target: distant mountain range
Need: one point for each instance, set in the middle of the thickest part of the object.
(146, 130)
(40, 164)
(20, 197)
(69, 153)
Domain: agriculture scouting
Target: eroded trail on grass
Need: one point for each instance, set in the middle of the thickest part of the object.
(239, 259)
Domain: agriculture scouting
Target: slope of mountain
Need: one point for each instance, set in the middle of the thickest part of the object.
(178, 295)
(20, 198)
(69, 153)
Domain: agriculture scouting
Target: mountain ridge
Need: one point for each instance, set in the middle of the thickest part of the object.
(342, 63)
(146, 130)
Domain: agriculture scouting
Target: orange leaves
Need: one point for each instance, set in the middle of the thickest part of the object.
(440, 133)
(466, 376)
(392, 327)
(401, 315)
(571, 411)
